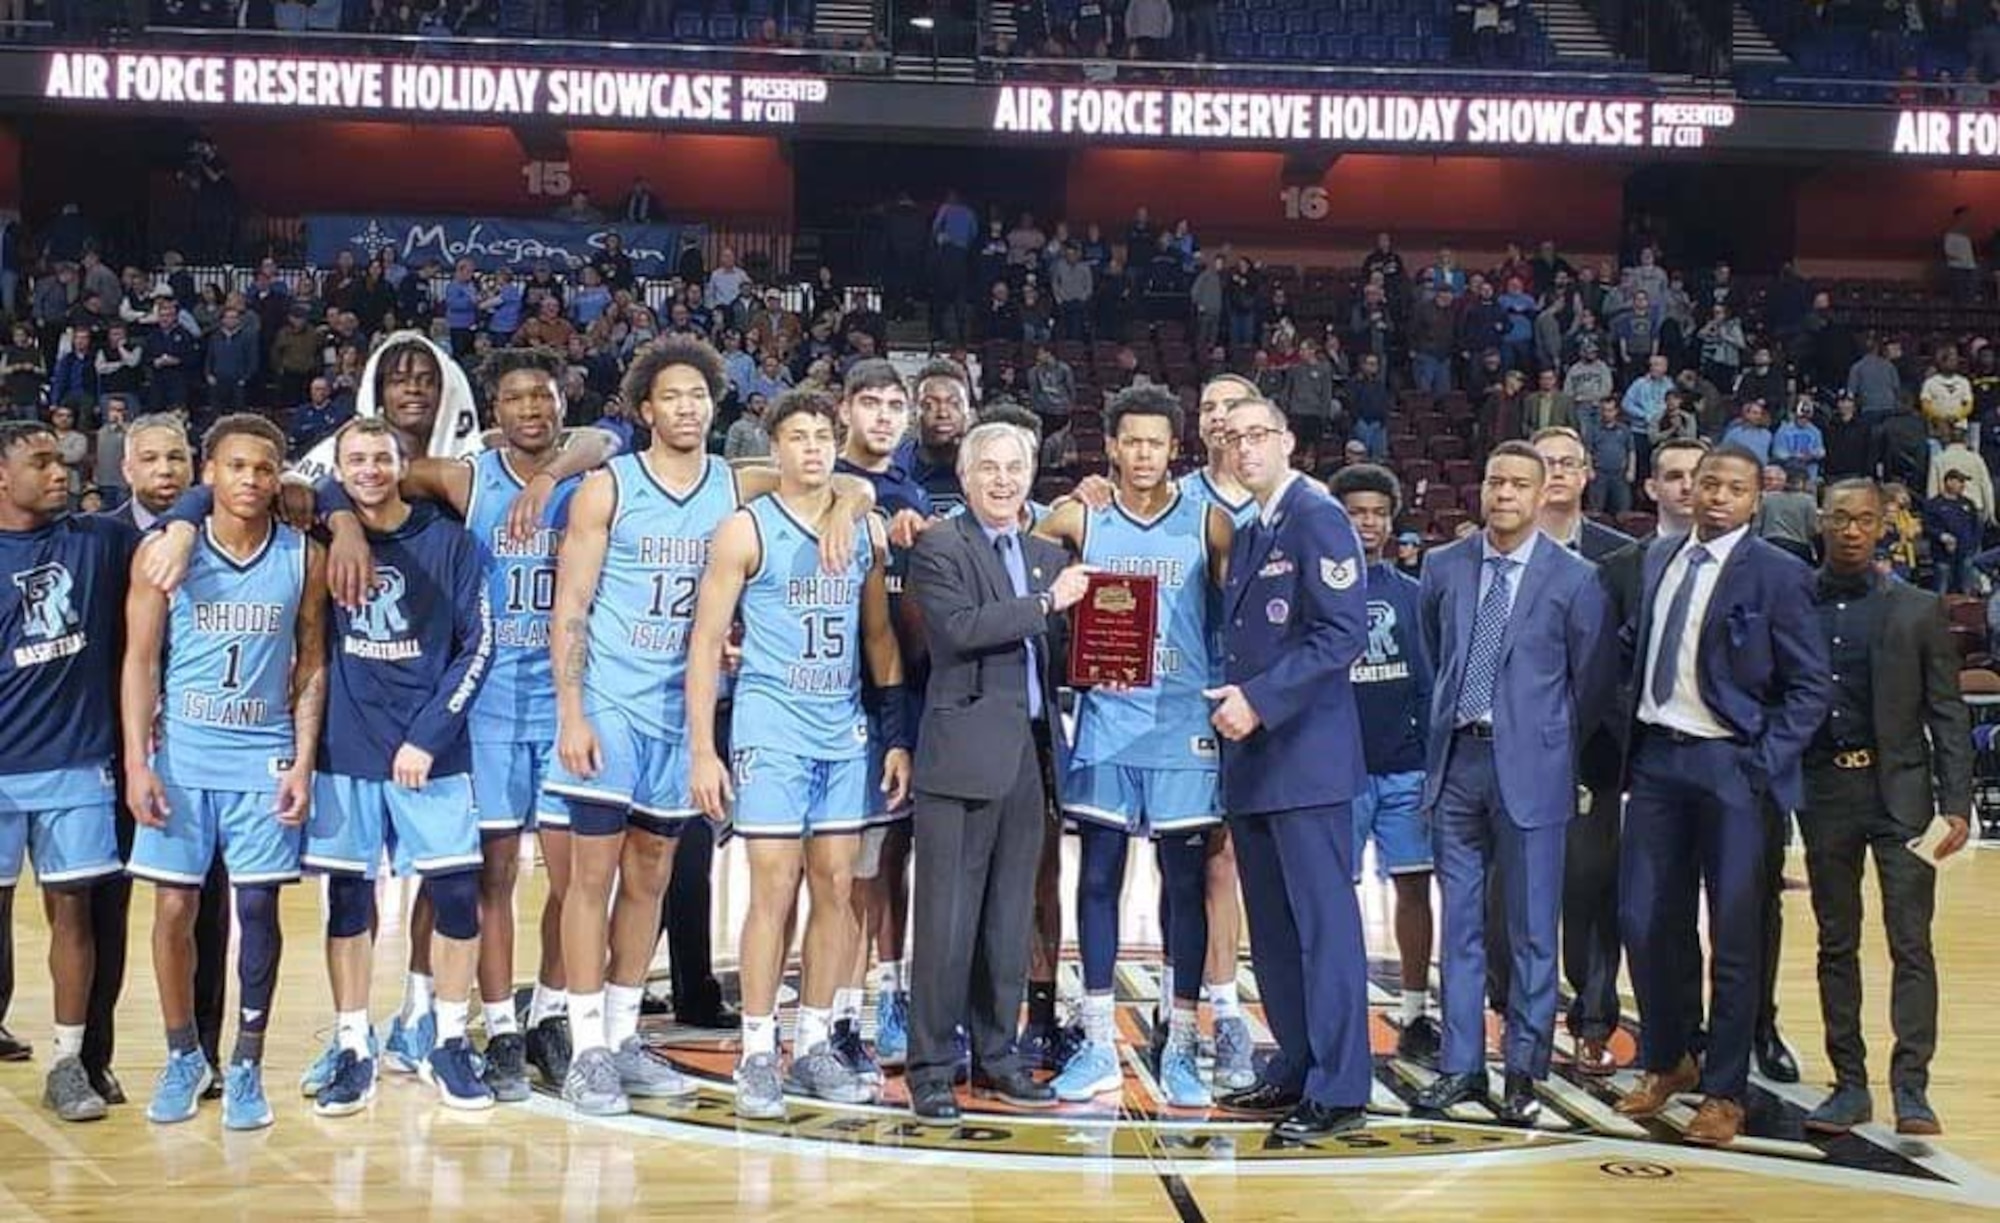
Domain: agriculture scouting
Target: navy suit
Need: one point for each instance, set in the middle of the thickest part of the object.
(1503, 798)
(1694, 812)
(1295, 618)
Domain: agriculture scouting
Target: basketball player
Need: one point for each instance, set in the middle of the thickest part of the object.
(242, 644)
(60, 602)
(424, 396)
(627, 573)
(800, 749)
(1392, 687)
(1145, 759)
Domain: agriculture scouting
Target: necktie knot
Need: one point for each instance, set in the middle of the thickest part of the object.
(1698, 556)
(1003, 543)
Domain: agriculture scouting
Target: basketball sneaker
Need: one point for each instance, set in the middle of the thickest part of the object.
(1049, 1046)
(453, 1070)
(824, 1076)
(646, 1076)
(853, 1051)
(409, 1045)
(548, 1050)
(68, 1092)
(1180, 1075)
(243, 1104)
(760, 1093)
(320, 1073)
(351, 1087)
(506, 1071)
(1089, 1073)
(1234, 1068)
(892, 1028)
(177, 1093)
(592, 1086)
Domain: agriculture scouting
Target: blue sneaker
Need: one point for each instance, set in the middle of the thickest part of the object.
(1180, 1076)
(452, 1069)
(350, 1089)
(409, 1045)
(1093, 1071)
(892, 1028)
(320, 1073)
(177, 1094)
(243, 1104)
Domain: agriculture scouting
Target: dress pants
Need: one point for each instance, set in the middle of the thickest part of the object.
(1305, 942)
(1693, 818)
(1844, 822)
(685, 919)
(971, 915)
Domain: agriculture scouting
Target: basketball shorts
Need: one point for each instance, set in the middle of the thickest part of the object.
(782, 795)
(432, 831)
(241, 824)
(1151, 802)
(643, 776)
(1386, 808)
(64, 820)
(507, 780)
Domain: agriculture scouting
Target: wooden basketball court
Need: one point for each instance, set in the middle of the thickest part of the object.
(407, 1159)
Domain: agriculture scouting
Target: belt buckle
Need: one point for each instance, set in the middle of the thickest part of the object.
(1854, 758)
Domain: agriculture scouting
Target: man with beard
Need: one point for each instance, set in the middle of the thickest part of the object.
(944, 412)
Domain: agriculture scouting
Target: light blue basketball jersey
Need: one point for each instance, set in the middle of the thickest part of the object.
(799, 689)
(517, 704)
(1199, 487)
(644, 609)
(1164, 726)
(226, 716)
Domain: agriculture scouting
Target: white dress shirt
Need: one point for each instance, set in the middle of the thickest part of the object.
(1686, 712)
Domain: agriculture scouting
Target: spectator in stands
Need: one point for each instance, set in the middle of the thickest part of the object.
(1751, 430)
(1705, 400)
(540, 284)
(1645, 400)
(1849, 443)
(230, 364)
(171, 357)
(1206, 294)
(108, 457)
(23, 370)
(1552, 326)
(1499, 417)
(1590, 379)
(75, 381)
(1148, 26)
(1482, 324)
(1587, 329)
(590, 298)
(1764, 379)
(1384, 260)
(501, 307)
(1433, 340)
(121, 362)
(579, 210)
(1368, 405)
(1446, 273)
(1946, 396)
(1875, 380)
(1073, 286)
(1608, 441)
(1051, 386)
(1308, 394)
(1549, 269)
(548, 328)
(1961, 264)
(613, 264)
(1787, 514)
(1037, 318)
(461, 307)
(726, 285)
(1517, 336)
(1024, 244)
(1548, 406)
(747, 438)
(50, 303)
(1241, 297)
(1635, 334)
(1679, 421)
(297, 354)
(1798, 445)
(1952, 522)
(1722, 346)
(1957, 456)
(318, 416)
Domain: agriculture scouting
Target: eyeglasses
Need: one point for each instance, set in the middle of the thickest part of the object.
(1565, 463)
(1840, 520)
(1256, 436)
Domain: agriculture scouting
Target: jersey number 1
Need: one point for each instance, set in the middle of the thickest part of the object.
(232, 670)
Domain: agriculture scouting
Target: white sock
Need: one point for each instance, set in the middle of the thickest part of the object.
(1166, 1000)
(586, 1021)
(1415, 1002)
(1181, 1026)
(451, 1019)
(419, 995)
(500, 1019)
(350, 1028)
(760, 1034)
(1098, 1025)
(621, 1012)
(847, 1005)
(546, 1003)
(815, 1028)
(1222, 1001)
(889, 976)
(69, 1040)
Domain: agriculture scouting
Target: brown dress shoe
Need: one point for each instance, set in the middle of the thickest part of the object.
(1657, 1089)
(1594, 1058)
(1716, 1123)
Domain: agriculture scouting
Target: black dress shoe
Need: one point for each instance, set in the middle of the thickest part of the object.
(652, 1004)
(1521, 1105)
(1261, 1099)
(720, 1016)
(13, 1048)
(1449, 1089)
(934, 1104)
(1420, 1041)
(1774, 1061)
(106, 1085)
(1017, 1087)
(1312, 1119)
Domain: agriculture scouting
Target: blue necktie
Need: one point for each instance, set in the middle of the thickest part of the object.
(1017, 575)
(1482, 660)
(1666, 663)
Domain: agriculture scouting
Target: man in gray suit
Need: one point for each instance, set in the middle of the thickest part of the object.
(987, 594)
(1894, 752)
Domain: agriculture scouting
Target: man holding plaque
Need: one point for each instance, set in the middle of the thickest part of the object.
(1145, 758)
(1295, 618)
(987, 595)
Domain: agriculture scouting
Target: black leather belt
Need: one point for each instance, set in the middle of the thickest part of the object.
(1655, 730)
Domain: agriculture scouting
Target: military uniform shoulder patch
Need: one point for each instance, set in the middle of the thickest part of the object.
(1339, 575)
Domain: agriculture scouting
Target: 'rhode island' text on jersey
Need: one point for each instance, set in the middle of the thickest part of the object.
(799, 689)
(517, 704)
(644, 610)
(232, 635)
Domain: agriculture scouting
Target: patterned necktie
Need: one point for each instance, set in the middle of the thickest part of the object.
(1482, 661)
(1666, 663)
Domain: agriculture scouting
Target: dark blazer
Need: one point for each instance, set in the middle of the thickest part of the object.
(1295, 617)
(1761, 663)
(1558, 671)
(1597, 543)
(975, 724)
(1914, 679)
(1620, 572)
